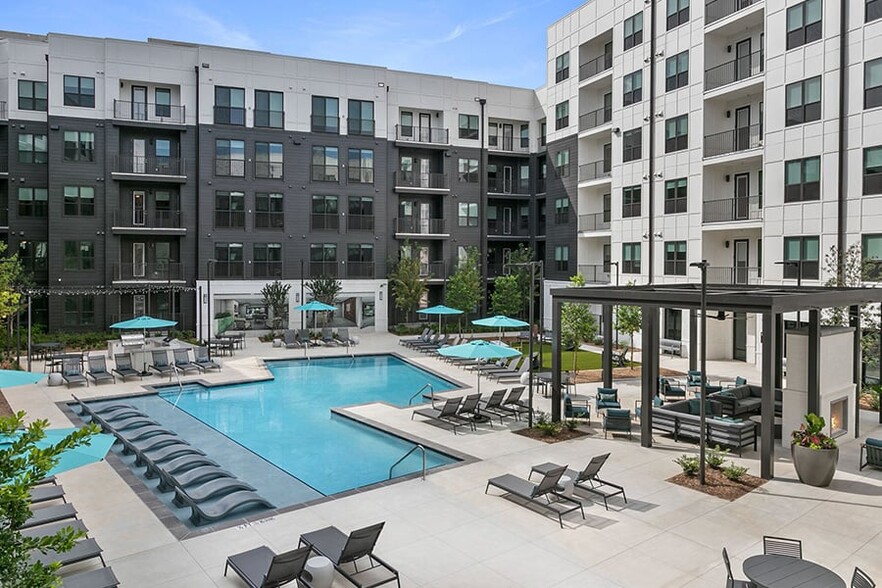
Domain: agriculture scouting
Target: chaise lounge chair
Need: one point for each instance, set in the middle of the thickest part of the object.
(100, 578)
(422, 338)
(168, 453)
(150, 443)
(98, 370)
(470, 410)
(493, 405)
(191, 477)
(202, 513)
(344, 337)
(261, 567)
(513, 403)
(534, 493)
(328, 337)
(182, 361)
(203, 361)
(289, 338)
(208, 490)
(46, 493)
(72, 372)
(161, 364)
(50, 514)
(82, 550)
(124, 367)
(176, 465)
(445, 414)
(587, 479)
(346, 551)
(52, 528)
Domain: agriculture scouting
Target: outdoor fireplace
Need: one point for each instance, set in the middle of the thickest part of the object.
(839, 417)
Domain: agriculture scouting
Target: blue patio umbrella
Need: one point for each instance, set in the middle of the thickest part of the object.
(99, 445)
(315, 306)
(500, 321)
(479, 349)
(10, 378)
(143, 322)
(440, 310)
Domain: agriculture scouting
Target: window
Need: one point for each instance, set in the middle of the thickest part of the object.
(406, 124)
(467, 214)
(229, 210)
(562, 67)
(675, 196)
(673, 324)
(269, 210)
(33, 202)
(803, 101)
(873, 170)
(230, 260)
(804, 251)
(32, 148)
(631, 196)
(871, 251)
(562, 258)
(802, 179)
(633, 88)
(229, 158)
(468, 126)
(325, 115)
(873, 83)
(675, 258)
(360, 259)
(34, 255)
(562, 163)
(162, 148)
(468, 171)
(361, 213)
(678, 13)
(269, 109)
(162, 98)
(229, 106)
(267, 260)
(630, 258)
(562, 211)
(325, 212)
(79, 146)
(32, 95)
(874, 10)
(677, 71)
(268, 160)
(79, 91)
(633, 31)
(361, 118)
(677, 133)
(325, 164)
(79, 311)
(525, 136)
(632, 145)
(323, 260)
(562, 115)
(79, 255)
(79, 201)
(361, 166)
(803, 23)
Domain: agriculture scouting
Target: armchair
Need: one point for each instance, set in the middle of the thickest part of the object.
(617, 420)
(670, 391)
(607, 398)
(572, 410)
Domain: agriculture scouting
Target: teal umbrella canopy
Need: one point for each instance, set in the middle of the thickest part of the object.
(70, 459)
(143, 322)
(500, 321)
(479, 349)
(10, 378)
(440, 310)
(315, 305)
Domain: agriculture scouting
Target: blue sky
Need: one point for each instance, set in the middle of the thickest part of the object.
(490, 40)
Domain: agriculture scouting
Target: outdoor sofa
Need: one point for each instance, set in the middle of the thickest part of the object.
(743, 400)
(682, 420)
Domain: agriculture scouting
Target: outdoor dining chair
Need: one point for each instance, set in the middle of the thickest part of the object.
(861, 580)
(731, 582)
(782, 546)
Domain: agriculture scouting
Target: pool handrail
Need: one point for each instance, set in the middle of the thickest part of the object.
(406, 455)
(420, 393)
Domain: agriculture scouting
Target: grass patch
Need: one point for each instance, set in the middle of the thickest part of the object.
(586, 360)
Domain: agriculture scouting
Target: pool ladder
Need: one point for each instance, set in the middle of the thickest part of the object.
(420, 393)
(406, 455)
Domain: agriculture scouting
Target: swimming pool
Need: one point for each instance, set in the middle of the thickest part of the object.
(288, 420)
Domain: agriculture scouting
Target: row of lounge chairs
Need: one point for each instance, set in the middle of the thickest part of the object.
(302, 338)
(504, 370)
(198, 482)
(72, 369)
(473, 408)
(46, 520)
(181, 361)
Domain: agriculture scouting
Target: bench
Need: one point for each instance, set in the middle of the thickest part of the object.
(670, 346)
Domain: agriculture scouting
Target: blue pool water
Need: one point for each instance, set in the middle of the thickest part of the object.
(288, 420)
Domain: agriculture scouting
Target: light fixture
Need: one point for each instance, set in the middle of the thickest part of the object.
(381, 84)
(658, 235)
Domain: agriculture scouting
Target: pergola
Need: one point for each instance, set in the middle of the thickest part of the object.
(771, 302)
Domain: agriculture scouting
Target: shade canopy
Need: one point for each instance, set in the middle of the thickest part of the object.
(143, 322)
(479, 349)
(99, 445)
(500, 321)
(315, 305)
(440, 309)
(10, 378)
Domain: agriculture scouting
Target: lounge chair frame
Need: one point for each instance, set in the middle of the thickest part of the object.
(588, 479)
(344, 551)
(533, 493)
(261, 567)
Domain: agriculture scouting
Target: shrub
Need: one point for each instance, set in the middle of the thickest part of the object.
(871, 396)
(689, 463)
(716, 457)
(572, 424)
(546, 425)
(810, 434)
(734, 472)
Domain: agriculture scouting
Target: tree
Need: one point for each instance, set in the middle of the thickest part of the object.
(22, 464)
(508, 296)
(629, 320)
(464, 286)
(324, 289)
(577, 322)
(275, 297)
(516, 257)
(406, 283)
(13, 282)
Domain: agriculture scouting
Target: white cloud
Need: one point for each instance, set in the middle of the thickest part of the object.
(213, 31)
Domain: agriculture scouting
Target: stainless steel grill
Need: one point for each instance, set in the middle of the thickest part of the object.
(132, 341)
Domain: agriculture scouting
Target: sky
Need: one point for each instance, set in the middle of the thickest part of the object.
(501, 42)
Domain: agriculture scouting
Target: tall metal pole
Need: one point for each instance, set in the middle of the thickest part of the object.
(482, 206)
(29, 331)
(210, 318)
(302, 301)
(702, 403)
(615, 308)
(530, 346)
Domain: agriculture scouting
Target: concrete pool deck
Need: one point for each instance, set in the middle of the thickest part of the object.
(445, 531)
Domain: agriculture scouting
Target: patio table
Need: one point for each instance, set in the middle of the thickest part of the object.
(780, 571)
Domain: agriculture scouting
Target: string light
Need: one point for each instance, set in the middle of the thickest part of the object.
(107, 290)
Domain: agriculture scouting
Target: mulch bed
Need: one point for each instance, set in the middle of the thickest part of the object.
(564, 435)
(586, 376)
(5, 409)
(716, 484)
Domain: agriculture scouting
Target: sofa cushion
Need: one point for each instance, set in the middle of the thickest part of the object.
(620, 413)
(874, 442)
(694, 405)
(727, 419)
(613, 391)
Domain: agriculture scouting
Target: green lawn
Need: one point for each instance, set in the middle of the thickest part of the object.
(586, 360)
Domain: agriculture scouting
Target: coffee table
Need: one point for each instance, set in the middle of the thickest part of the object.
(758, 419)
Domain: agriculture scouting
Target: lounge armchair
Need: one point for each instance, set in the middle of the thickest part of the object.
(98, 370)
(344, 337)
(445, 414)
(470, 410)
(693, 378)
(607, 398)
(731, 582)
(100, 578)
(161, 364)
(191, 477)
(261, 567)
(202, 513)
(46, 493)
(289, 339)
(574, 411)
(50, 514)
(82, 550)
(638, 406)
(208, 490)
(182, 361)
(124, 367)
(534, 493)
(872, 449)
(493, 405)
(328, 337)
(670, 391)
(203, 361)
(72, 372)
(346, 551)
(587, 479)
(617, 420)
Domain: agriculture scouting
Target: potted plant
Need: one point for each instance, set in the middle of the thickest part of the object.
(815, 454)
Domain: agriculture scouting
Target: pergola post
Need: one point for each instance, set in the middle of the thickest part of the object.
(693, 339)
(767, 407)
(813, 381)
(555, 360)
(854, 321)
(648, 371)
(779, 351)
(607, 345)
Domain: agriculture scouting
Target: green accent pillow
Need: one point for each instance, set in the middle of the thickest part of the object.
(874, 442)
(727, 394)
(608, 397)
(618, 413)
(694, 405)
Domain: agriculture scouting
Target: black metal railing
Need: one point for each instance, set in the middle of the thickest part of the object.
(410, 179)
(360, 222)
(595, 274)
(734, 71)
(4, 113)
(435, 135)
(736, 208)
(595, 170)
(360, 174)
(158, 271)
(266, 269)
(269, 220)
(360, 269)
(325, 124)
(148, 112)
(504, 228)
(153, 219)
(149, 165)
(269, 119)
(734, 140)
(719, 9)
(503, 186)
(540, 186)
(509, 144)
(324, 173)
(595, 66)
(595, 118)
(327, 269)
(229, 115)
(433, 269)
(420, 226)
(363, 127)
(873, 270)
(324, 221)
(596, 221)
(733, 275)
(228, 269)
(4, 217)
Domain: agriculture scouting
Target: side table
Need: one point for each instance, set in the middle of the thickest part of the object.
(319, 572)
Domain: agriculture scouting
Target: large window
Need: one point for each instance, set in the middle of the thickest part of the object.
(562, 67)
(267, 260)
(268, 160)
(229, 209)
(873, 170)
(675, 258)
(803, 101)
(633, 31)
(269, 109)
(325, 164)
(325, 212)
(162, 97)
(361, 213)
(632, 144)
(79, 146)
(673, 324)
(630, 258)
(562, 162)
(678, 13)
(229, 158)
(79, 201)
(562, 115)
(325, 114)
(79, 255)
(468, 171)
(804, 253)
(79, 91)
(32, 148)
(802, 179)
(873, 83)
(33, 202)
(361, 118)
(467, 214)
(32, 95)
(79, 311)
(803, 23)
(871, 251)
(229, 106)
(269, 210)
(675, 196)
(361, 166)
(562, 258)
(873, 10)
(677, 133)
(677, 71)
(468, 126)
(632, 85)
(561, 211)
(323, 260)
(360, 260)
(34, 255)
(631, 196)
(230, 260)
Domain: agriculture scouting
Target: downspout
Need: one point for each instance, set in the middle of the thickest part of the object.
(650, 193)
(842, 196)
(198, 216)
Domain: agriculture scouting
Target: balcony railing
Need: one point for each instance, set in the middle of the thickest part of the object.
(502, 228)
(503, 186)
(421, 226)
(327, 269)
(595, 170)
(325, 124)
(422, 134)
(734, 140)
(269, 119)
(228, 269)
(597, 221)
(595, 274)
(324, 221)
(737, 208)
(595, 118)
(360, 126)
(148, 112)
(158, 271)
(595, 66)
(229, 115)
(360, 269)
(4, 113)
(509, 144)
(151, 165)
(410, 179)
(719, 9)
(733, 275)
(155, 219)
(266, 269)
(734, 71)
(360, 222)
(540, 186)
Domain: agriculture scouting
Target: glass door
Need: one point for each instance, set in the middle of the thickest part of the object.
(139, 103)
(742, 196)
(742, 59)
(424, 173)
(138, 207)
(139, 263)
(506, 179)
(742, 128)
(739, 336)
(506, 220)
(139, 156)
(741, 261)
(425, 127)
(507, 137)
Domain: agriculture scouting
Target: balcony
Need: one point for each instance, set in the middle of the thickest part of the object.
(597, 65)
(148, 112)
(594, 119)
(148, 272)
(327, 269)
(504, 228)
(360, 222)
(360, 269)
(733, 276)
(508, 186)
(508, 144)
(431, 135)
(719, 9)
(597, 221)
(234, 270)
(4, 113)
(595, 274)
(734, 71)
(266, 269)
(733, 141)
(325, 124)
(323, 221)
(420, 226)
(148, 168)
(140, 222)
(433, 270)
(421, 181)
(725, 210)
(596, 170)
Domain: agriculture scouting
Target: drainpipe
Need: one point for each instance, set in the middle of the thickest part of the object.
(842, 201)
(483, 213)
(650, 193)
(198, 215)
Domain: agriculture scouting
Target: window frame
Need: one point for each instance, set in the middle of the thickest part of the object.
(561, 115)
(79, 311)
(471, 218)
(269, 210)
(679, 15)
(33, 155)
(631, 257)
(324, 217)
(676, 195)
(323, 114)
(872, 180)
(269, 160)
(469, 127)
(804, 112)
(225, 166)
(162, 109)
(806, 32)
(266, 260)
(872, 264)
(680, 138)
(630, 150)
(76, 202)
(632, 201)
(364, 174)
(562, 258)
(471, 174)
(792, 272)
(635, 36)
(359, 125)
(39, 202)
(635, 94)
(269, 117)
(325, 157)
(675, 258)
(37, 103)
(872, 10)
(82, 150)
(561, 67)
(561, 210)
(872, 94)
(680, 76)
(229, 216)
(81, 98)
(803, 191)
(562, 167)
(79, 261)
(229, 114)
(226, 266)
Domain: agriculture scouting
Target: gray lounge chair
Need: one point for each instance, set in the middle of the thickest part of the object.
(513, 403)
(207, 512)
(117, 415)
(50, 514)
(470, 411)
(52, 528)
(176, 465)
(445, 414)
(289, 338)
(144, 432)
(208, 490)
(46, 493)
(88, 410)
(304, 337)
(344, 337)
(588, 478)
(161, 364)
(346, 551)
(534, 493)
(150, 443)
(197, 475)
(421, 338)
(98, 370)
(328, 337)
(100, 578)
(72, 372)
(182, 361)
(493, 405)
(261, 567)
(124, 367)
(127, 423)
(203, 361)
(167, 453)
(82, 550)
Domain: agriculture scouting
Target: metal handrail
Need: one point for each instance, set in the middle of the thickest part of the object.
(406, 455)
(420, 391)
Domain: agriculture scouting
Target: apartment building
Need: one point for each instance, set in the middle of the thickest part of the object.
(741, 132)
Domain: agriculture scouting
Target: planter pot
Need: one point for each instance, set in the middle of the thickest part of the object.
(814, 467)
